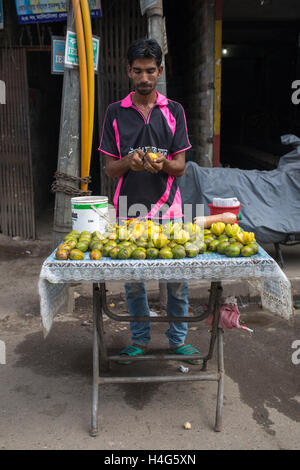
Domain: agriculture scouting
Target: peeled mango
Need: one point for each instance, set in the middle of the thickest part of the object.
(232, 230)
(160, 240)
(153, 156)
(181, 237)
(218, 228)
(138, 231)
(245, 237)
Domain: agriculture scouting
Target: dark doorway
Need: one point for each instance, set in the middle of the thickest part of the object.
(260, 62)
(45, 92)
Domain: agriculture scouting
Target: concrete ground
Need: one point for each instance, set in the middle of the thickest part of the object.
(45, 391)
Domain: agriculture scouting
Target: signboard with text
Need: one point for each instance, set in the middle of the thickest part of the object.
(67, 56)
(35, 11)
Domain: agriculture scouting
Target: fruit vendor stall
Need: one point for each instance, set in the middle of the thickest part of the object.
(141, 251)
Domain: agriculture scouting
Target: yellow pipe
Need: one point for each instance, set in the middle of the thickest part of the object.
(91, 74)
(83, 88)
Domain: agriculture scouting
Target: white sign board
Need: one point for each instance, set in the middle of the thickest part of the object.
(71, 51)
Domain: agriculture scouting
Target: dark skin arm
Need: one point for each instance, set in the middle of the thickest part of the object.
(137, 161)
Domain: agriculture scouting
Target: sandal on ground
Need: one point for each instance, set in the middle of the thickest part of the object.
(187, 350)
(130, 351)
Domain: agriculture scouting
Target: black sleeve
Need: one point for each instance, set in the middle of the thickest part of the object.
(108, 143)
(180, 141)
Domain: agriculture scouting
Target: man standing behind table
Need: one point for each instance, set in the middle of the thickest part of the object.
(146, 119)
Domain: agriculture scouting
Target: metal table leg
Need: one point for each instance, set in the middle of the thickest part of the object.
(218, 423)
(95, 396)
(99, 299)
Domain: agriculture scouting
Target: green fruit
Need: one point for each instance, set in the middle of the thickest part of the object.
(71, 243)
(165, 253)
(105, 240)
(84, 239)
(139, 253)
(240, 245)
(75, 233)
(124, 243)
(191, 250)
(232, 240)
(232, 251)
(247, 251)
(124, 253)
(223, 237)
(70, 237)
(201, 245)
(208, 239)
(82, 246)
(152, 253)
(85, 233)
(95, 245)
(213, 245)
(222, 246)
(97, 235)
(142, 243)
(254, 247)
(151, 244)
(178, 252)
(76, 254)
(114, 252)
(112, 236)
(108, 247)
(172, 244)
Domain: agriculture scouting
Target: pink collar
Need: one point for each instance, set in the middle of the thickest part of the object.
(161, 100)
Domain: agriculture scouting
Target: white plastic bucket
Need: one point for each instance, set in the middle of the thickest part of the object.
(83, 215)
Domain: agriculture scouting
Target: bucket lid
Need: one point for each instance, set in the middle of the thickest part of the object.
(88, 199)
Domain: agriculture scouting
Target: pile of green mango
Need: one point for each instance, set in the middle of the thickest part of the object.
(136, 239)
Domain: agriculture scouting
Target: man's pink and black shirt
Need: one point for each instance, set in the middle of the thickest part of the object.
(125, 130)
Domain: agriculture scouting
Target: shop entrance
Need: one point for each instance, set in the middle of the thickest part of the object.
(260, 61)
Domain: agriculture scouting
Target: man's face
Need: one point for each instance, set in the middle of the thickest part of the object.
(144, 74)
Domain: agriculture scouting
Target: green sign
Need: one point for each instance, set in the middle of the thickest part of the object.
(71, 50)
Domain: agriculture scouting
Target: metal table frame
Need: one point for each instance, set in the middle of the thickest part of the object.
(101, 356)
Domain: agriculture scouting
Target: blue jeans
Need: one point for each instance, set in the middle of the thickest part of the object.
(177, 306)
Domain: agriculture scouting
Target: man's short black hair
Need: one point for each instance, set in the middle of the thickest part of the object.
(144, 49)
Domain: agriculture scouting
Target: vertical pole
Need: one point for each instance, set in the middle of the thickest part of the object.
(155, 30)
(69, 144)
(218, 423)
(95, 397)
(217, 83)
